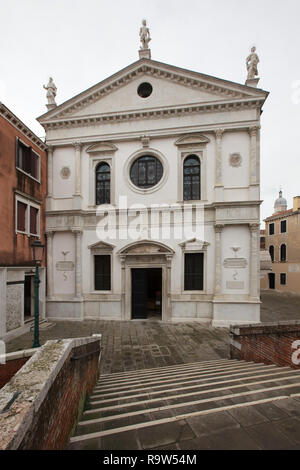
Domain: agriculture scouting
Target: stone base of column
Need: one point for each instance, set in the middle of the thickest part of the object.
(219, 193)
(77, 201)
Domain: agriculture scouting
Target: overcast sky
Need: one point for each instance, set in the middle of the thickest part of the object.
(81, 42)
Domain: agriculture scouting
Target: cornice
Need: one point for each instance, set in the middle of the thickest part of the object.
(153, 113)
(184, 77)
(20, 126)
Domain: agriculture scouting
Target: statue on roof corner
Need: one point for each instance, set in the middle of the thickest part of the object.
(144, 35)
(51, 92)
(251, 63)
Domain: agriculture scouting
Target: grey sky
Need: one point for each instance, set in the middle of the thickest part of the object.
(79, 43)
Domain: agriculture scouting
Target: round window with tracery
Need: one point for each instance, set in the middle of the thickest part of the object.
(146, 171)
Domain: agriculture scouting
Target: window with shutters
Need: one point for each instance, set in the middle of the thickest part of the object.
(283, 279)
(193, 271)
(27, 217)
(102, 271)
(21, 216)
(27, 160)
(283, 252)
(283, 226)
(271, 251)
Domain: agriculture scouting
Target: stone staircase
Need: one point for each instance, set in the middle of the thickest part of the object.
(124, 404)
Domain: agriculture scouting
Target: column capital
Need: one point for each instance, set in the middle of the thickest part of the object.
(77, 144)
(219, 227)
(50, 148)
(253, 130)
(77, 231)
(49, 233)
(254, 227)
(219, 133)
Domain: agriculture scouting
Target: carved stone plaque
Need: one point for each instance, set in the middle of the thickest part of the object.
(234, 285)
(65, 266)
(235, 263)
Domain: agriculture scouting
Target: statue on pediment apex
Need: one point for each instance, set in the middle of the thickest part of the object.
(51, 92)
(144, 35)
(251, 63)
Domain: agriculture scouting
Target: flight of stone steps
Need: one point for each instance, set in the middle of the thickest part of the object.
(127, 401)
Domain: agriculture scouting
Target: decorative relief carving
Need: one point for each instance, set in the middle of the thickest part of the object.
(235, 160)
(65, 172)
(145, 141)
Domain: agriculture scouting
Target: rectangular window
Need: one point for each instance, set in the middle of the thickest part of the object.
(283, 279)
(27, 160)
(33, 220)
(283, 226)
(271, 229)
(193, 271)
(21, 216)
(102, 272)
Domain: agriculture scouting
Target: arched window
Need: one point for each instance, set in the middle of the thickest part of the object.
(191, 178)
(102, 183)
(271, 251)
(283, 252)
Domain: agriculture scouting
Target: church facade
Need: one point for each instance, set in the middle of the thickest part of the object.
(154, 198)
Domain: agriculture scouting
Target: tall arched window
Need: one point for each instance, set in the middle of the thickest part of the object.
(283, 252)
(271, 251)
(102, 183)
(191, 178)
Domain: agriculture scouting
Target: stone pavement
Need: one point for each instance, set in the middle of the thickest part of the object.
(278, 306)
(130, 345)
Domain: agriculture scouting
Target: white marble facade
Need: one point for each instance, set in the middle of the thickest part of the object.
(186, 113)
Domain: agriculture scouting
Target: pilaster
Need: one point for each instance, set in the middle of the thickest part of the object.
(50, 278)
(218, 259)
(78, 190)
(254, 277)
(218, 166)
(254, 162)
(78, 263)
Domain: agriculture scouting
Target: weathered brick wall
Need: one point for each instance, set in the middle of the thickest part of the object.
(10, 368)
(44, 414)
(269, 343)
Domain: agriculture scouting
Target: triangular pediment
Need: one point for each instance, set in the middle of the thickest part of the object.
(172, 87)
(102, 147)
(192, 140)
(101, 246)
(194, 244)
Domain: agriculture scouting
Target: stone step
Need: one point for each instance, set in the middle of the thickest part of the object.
(98, 409)
(113, 378)
(125, 402)
(104, 389)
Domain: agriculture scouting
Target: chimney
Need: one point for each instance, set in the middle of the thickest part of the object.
(296, 203)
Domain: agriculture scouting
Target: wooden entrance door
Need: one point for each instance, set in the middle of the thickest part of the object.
(139, 293)
(271, 280)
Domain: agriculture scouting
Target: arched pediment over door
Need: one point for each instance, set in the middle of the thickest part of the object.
(146, 247)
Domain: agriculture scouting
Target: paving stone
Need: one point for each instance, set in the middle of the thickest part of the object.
(204, 425)
(123, 441)
(289, 406)
(270, 411)
(199, 443)
(164, 434)
(269, 436)
(232, 439)
(291, 428)
(247, 416)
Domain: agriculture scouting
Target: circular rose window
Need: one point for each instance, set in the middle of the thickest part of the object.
(146, 171)
(144, 90)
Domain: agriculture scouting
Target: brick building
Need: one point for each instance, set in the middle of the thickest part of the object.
(282, 240)
(23, 168)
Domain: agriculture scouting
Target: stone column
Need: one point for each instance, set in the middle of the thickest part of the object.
(78, 263)
(218, 178)
(77, 146)
(254, 267)
(254, 154)
(50, 278)
(50, 171)
(218, 258)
